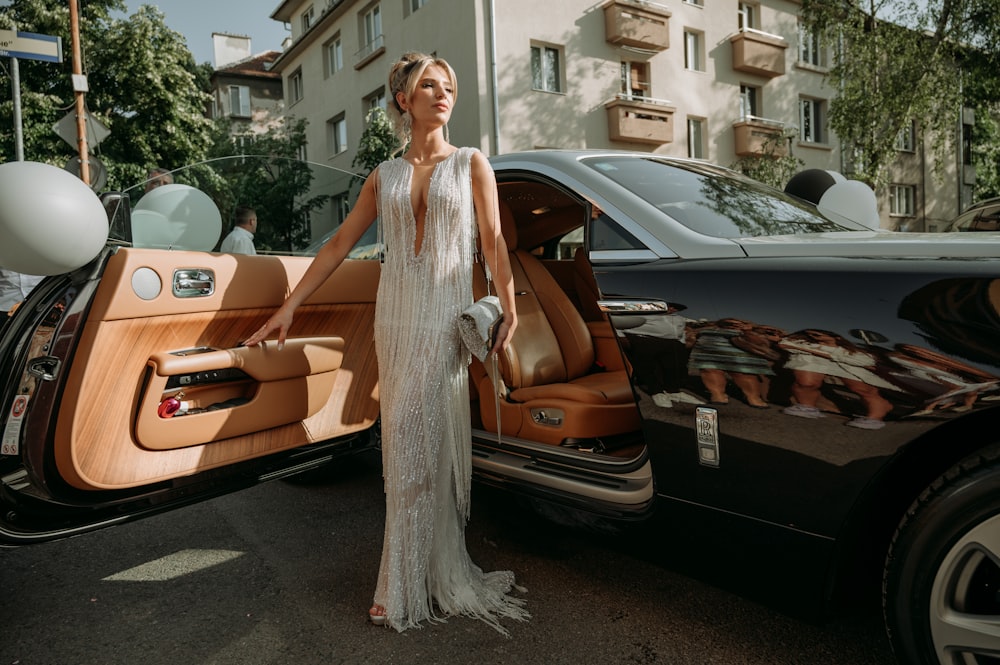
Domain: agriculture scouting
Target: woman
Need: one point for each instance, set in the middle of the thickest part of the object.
(432, 202)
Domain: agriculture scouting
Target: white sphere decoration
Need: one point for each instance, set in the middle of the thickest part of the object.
(852, 200)
(50, 221)
(176, 216)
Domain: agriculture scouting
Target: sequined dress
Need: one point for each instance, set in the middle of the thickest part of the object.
(426, 572)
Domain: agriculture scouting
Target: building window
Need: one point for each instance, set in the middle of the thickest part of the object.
(334, 55)
(696, 138)
(749, 102)
(336, 134)
(239, 101)
(340, 206)
(902, 200)
(546, 73)
(308, 18)
(414, 5)
(906, 139)
(811, 119)
(371, 27)
(300, 152)
(810, 49)
(694, 59)
(747, 16)
(696, 3)
(374, 101)
(295, 90)
(635, 79)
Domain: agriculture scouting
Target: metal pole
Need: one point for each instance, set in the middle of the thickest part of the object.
(15, 83)
(81, 111)
(493, 73)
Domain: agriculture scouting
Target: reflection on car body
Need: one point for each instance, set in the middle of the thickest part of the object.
(803, 399)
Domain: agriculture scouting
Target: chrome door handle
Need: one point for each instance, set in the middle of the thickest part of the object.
(193, 283)
(634, 306)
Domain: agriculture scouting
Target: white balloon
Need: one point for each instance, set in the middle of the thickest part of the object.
(176, 216)
(837, 176)
(151, 229)
(852, 200)
(50, 221)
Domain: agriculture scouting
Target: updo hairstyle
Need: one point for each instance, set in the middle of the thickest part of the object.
(404, 76)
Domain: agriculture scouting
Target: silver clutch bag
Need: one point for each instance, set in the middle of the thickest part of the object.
(478, 324)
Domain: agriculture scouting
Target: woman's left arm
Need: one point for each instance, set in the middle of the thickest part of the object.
(494, 248)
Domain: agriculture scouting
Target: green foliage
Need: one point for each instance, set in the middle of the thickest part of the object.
(775, 165)
(142, 86)
(378, 142)
(271, 179)
(982, 93)
(899, 61)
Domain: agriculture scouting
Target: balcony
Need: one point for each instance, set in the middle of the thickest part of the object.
(369, 52)
(758, 53)
(640, 120)
(760, 136)
(644, 25)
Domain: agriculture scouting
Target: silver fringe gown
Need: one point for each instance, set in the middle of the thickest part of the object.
(426, 572)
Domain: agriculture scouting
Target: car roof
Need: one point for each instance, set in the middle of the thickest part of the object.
(566, 167)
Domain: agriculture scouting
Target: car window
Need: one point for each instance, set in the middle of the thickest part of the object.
(298, 206)
(714, 201)
(981, 217)
(608, 235)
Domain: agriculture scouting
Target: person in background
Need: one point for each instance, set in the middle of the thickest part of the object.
(158, 176)
(240, 239)
(14, 288)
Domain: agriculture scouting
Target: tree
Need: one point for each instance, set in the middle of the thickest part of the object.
(267, 175)
(378, 142)
(896, 62)
(142, 86)
(774, 165)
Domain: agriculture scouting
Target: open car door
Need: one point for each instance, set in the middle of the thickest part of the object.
(127, 388)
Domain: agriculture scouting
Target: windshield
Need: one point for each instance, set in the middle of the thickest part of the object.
(296, 206)
(714, 201)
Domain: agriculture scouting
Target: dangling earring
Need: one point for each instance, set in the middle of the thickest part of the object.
(446, 132)
(407, 123)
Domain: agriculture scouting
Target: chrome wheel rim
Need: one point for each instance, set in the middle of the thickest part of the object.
(965, 599)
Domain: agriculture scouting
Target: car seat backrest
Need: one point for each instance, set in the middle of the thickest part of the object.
(552, 343)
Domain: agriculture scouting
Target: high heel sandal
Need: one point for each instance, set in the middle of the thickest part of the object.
(375, 617)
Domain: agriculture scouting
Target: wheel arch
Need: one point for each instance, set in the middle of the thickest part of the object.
(864, 540)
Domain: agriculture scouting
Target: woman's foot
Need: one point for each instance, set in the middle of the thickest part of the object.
(377, 615)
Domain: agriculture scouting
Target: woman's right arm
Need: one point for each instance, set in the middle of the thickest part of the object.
(327, 259)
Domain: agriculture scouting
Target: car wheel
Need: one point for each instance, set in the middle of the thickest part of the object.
(941, 584)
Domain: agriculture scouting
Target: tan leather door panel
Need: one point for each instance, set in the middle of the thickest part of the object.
(321, 386)
(229, 392)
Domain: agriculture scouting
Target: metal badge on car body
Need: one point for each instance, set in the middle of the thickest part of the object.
(707, 428)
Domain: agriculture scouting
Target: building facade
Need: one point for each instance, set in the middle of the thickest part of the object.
(245, 88)
(707, 79)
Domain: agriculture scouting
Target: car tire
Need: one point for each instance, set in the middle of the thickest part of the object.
(941, 583)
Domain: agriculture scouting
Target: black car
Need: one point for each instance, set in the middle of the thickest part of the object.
(805, 406)
(982, 216)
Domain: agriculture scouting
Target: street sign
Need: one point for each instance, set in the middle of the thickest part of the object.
(66, 129)
(98, 174)
(29, 46)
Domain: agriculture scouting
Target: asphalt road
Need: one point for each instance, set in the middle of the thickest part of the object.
(283, 573)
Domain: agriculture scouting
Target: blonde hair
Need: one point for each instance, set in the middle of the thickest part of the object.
(404, 76)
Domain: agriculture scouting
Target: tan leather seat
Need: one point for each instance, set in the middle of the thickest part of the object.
(557, 391)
